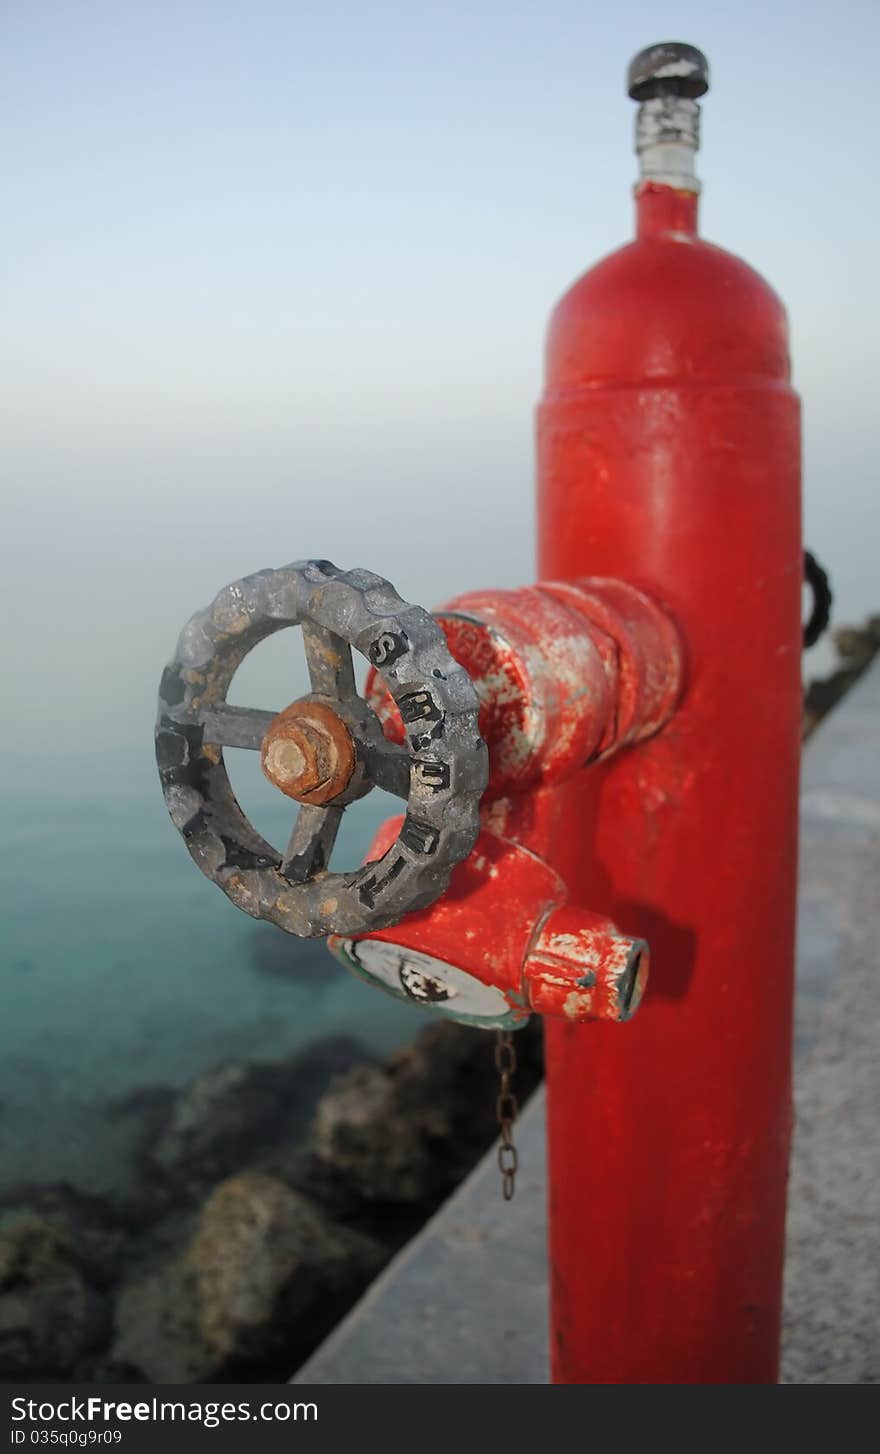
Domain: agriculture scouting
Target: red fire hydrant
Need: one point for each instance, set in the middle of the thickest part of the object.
(599, 770)
(668, 455)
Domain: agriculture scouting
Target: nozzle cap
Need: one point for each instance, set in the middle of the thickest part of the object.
(669, 68)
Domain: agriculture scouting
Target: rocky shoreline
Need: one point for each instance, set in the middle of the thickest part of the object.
(264, 1199)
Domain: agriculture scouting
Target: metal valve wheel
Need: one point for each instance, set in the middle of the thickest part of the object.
(325, 751)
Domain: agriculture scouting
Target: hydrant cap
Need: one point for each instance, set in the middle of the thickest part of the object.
(670, 68)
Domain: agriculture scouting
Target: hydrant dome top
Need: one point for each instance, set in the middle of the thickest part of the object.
(665, 310)
(671, 67)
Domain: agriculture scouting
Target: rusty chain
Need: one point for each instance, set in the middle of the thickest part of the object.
(506, 1111)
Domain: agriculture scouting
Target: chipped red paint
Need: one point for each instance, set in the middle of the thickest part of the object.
(505, 921)
(564, 673)
(668, 445)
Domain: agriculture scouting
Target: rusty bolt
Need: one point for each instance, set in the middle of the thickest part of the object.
(308, 753)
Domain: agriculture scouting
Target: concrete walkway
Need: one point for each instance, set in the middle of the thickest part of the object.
(466, 1301)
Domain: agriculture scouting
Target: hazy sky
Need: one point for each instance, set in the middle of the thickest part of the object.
(277, 279)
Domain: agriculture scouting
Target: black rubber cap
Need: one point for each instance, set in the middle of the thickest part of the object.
(669, 68)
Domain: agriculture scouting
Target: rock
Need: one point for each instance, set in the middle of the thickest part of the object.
(90, 1224)
(50, 1316)
(224, 1118)
(156, 1330)
(407, 1131)
(264, 1277)
(381, 1150)
(214, 1123)
(265, 1261)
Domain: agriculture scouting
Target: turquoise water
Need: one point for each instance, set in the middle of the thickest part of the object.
(122, 968)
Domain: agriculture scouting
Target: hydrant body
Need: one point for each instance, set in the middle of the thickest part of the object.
(668, 457)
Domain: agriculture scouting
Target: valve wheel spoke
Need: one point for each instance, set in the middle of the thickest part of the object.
(311, 842)
(230, 726)
(387, 766)
(331, 670)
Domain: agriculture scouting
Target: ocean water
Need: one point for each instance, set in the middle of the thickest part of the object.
(123, 968)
